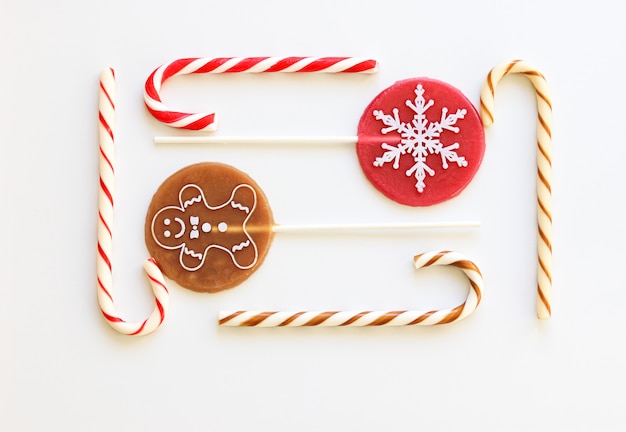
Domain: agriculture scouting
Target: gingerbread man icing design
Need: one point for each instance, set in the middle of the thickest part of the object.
(209, 227)
(194, 227)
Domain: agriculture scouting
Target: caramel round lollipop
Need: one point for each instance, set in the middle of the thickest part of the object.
(209, 226)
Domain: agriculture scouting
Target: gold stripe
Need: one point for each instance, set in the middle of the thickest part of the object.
(388, 316)
(230, 317)
(545, 126)
(479, 294)
(545, 270)
(533, 73)
(544, 181)
(545, 98)
(421, 318)
(465, 265)
(453, 315)
(257, 319)
(490, 82)
(510, 66)
(545, 239)
(319, 319)
(486, 110)
(291, 319)
(433, 260)
(544, 210)
(544, 153)
(544, 300)
(354, 318)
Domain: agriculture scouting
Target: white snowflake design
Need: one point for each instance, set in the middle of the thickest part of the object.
(420, 138)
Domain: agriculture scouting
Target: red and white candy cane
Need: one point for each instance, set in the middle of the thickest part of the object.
(373, 318)
(544, 168)
(106, 123)
(207, 121)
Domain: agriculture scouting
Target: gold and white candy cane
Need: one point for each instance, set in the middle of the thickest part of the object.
(544, 168)
(106, 125)
(244, 318)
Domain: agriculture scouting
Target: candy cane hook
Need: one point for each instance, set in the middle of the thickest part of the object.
(106, 108)
(544, 168)
(373, 318)
(207, 121)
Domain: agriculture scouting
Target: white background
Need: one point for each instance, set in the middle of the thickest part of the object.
(63, 368)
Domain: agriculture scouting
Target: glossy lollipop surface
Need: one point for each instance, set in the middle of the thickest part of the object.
(209, 227)
(420, 142)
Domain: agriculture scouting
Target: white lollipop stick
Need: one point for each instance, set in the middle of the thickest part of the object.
(106, 124)
(314, 228)
(244, 318)
(258, 140)
(349, 228)
(544, 168)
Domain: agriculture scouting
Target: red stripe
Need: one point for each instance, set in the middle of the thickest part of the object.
(143, 324)
(104, 256)
(106, 93)
(201, 123)
(105, 224)
(159, 283)
(170, 70)
(105, 125)
(321, 64)
(213, 64)
(175, 67)
(150, 89)
(367, 65)
(104, 289)
(245, 64)
(112, 318)
(106, 191)
(284, 64)
(108, 161)
(168, 117)
(161, 312)
(156, 281)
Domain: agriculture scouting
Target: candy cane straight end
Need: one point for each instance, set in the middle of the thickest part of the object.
(373, 68)
(106, 126)
(544, 167)
(544, 310)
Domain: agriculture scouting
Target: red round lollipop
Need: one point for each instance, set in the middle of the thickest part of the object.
(420, 142)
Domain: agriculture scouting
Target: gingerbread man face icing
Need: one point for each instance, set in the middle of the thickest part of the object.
(420, 142)
(209, 227)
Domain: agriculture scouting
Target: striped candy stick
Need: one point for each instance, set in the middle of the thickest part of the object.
(207, 121)
(372, 318)
(106, 125)
(544, 168)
